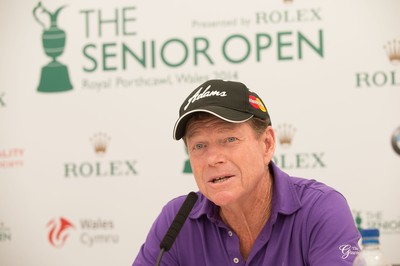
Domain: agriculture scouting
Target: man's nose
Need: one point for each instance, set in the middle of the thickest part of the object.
(215, 155)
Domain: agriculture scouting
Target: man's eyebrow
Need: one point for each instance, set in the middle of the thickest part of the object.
(192, 134)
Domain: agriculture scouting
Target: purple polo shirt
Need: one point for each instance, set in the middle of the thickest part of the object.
(310, 224)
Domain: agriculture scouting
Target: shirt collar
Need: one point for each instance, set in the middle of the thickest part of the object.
(285, 199)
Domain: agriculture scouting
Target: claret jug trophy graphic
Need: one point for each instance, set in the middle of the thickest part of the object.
(54, 76)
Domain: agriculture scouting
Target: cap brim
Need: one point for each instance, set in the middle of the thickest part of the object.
(223, 113)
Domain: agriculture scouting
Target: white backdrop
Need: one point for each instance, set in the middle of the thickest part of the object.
(84, 171)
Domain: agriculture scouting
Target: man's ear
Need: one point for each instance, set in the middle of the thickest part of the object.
(269, 141)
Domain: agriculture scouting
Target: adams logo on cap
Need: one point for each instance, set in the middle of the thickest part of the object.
(256, 103)
(206, 93)
(231, 101)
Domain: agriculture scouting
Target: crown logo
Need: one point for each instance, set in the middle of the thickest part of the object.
(285, 134)
(287, 1)
(100, 143)
(392, 49)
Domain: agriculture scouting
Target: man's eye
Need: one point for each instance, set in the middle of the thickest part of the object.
(231, 139)
(198, 146)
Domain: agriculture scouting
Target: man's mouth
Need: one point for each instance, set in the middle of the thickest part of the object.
(220, 179)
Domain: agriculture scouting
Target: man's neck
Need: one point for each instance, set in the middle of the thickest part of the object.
(247, 220)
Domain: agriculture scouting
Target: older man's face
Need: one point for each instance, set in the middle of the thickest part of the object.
(228, 161)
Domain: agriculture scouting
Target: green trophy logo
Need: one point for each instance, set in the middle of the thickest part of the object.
(187, 168)
(54, 76)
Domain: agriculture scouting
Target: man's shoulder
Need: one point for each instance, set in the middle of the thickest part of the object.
(310, 185)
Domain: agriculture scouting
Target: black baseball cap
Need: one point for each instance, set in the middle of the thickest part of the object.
(231, 101)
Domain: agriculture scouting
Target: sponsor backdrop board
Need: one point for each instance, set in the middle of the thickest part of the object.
(90, 91)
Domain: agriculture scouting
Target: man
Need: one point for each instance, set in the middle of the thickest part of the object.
(249, 212)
